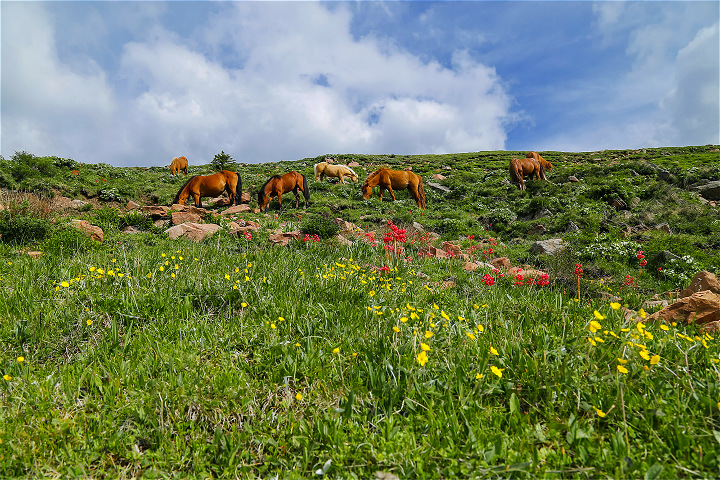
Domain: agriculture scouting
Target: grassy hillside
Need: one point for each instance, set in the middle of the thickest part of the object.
(147, 357)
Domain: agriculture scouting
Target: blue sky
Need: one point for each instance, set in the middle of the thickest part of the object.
(138, 83)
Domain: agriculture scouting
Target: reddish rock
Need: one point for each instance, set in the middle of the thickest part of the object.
(245, 197)
(431, 251)
(699, 308)
(346, 227)
(353, 164)
(92, 231)
(220, 201)
(451, 247)
(192, 231)
(438, 176)
(284, 239)
(470, 266)
(34, 254)
(156, 211)
(343, 240)
(501, 262)
(183, 217)
(132, 205)
(236, 209)
(703, 281)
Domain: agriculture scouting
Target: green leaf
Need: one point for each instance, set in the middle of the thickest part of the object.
(654, 472)
(514, 404)
(717, 435)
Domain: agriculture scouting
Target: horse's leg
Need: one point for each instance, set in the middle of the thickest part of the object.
(392, 194)
(341, 179)
(297, 197)
(198, 200)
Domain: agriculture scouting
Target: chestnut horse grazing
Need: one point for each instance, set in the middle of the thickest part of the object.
(324, 169)
(533, 165)
(179, 164)
(395, 180)
(279, 184)
(210, 186)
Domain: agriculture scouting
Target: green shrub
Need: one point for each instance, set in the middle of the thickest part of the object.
(20, 228)
(106, 218)
(135, 218)
(323, 227)
(68, 240)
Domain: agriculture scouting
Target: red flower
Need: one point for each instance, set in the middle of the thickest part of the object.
(643, 262)
(639, 254)
(76, 172)
(248, 236)
(488, 280)
(578, 270)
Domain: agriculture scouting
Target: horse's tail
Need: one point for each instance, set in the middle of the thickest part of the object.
(514, 174)
(306, 190)
(315, 170)
(182, 189)
(238, 190)
(421, 192)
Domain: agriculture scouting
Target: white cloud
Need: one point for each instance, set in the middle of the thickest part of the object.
(261, 81)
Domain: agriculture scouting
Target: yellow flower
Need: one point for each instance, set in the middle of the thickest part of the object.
(622, 361)
(654, 359)
(478, 376)
(64, 284)
(395, 329)
(20, 359)
(480, 328)
(272, 325)
(8, 378)
(371, 293)
(664, 327)
(594, 326)
(89, 322)
(493, 351)
(414, 316)
(425, 347)
(297, 344)
(336, 350)
(642, 313)
(640, 326)
(470, 336)
(592, 342)
(599, 340)
(599, 412)
(444, 315)
(614, 306)
(599, 315)
(422, 358)
(428, 334)
(172, 275)
(497, 371)
(622, 369)
(404, 319)
(281, 319)
(243, 304)
(435, 306)
(644, 354)
(298, 397)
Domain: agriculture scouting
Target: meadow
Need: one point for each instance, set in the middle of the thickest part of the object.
(144, 357)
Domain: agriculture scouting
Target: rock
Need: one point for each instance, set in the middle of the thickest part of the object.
(236, 209)
(160, 223)
(220, 201)
(437, 186)
(439, 176)
(245, 197)
(710, 191)
(703, 281)
(548, 247)
(417, 228)
(130, 229)
(189, 209)
(77, 204)
(500, 262)
(431, 251)
(663, 227)
(573, 178)
(244, 226)
(343, 240)
(346, 227)
(132, 205)
(618, 204)
(34, 254)
(156, 211)
(572, 227)
(537, 230)
(183, 217)
(470, 266)
(542, 214)
(452, 248)
(284, 239)
(653, 304)
(92, 231)
(192, 231)
(699, 308)
(353, 164)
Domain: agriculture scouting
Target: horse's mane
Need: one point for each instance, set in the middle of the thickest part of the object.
(261, 193)
(177, 197)
(353, 171)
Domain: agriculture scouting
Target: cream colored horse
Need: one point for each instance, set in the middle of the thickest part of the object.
(324, 169)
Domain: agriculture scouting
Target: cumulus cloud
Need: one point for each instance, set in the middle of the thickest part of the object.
(261, 81)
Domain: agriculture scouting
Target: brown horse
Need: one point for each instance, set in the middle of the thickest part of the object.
(279, 184)
(533, 165)
(211, 185)
(179, 164)
(324, 169)
(398, 180)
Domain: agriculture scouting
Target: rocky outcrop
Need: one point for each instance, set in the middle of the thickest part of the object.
(698, 304)
(284, 239)
(550, 246)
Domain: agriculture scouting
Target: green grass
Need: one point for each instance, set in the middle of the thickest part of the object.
(145, 357)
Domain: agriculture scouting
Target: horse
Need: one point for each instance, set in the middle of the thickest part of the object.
(533, 165)
(211, 185)
(279, 184)
(395, 179)
(324, 169)
(179, 164)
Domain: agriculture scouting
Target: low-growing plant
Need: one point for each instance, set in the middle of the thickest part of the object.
(322, 226)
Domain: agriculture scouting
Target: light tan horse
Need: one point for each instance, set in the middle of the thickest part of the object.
(395, 180)
(325, 169)
(533, 165)
(179, 164)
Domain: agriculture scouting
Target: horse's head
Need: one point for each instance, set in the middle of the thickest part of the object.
(263, 199)
(366, 190)
(546, 165)
(354, 177)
